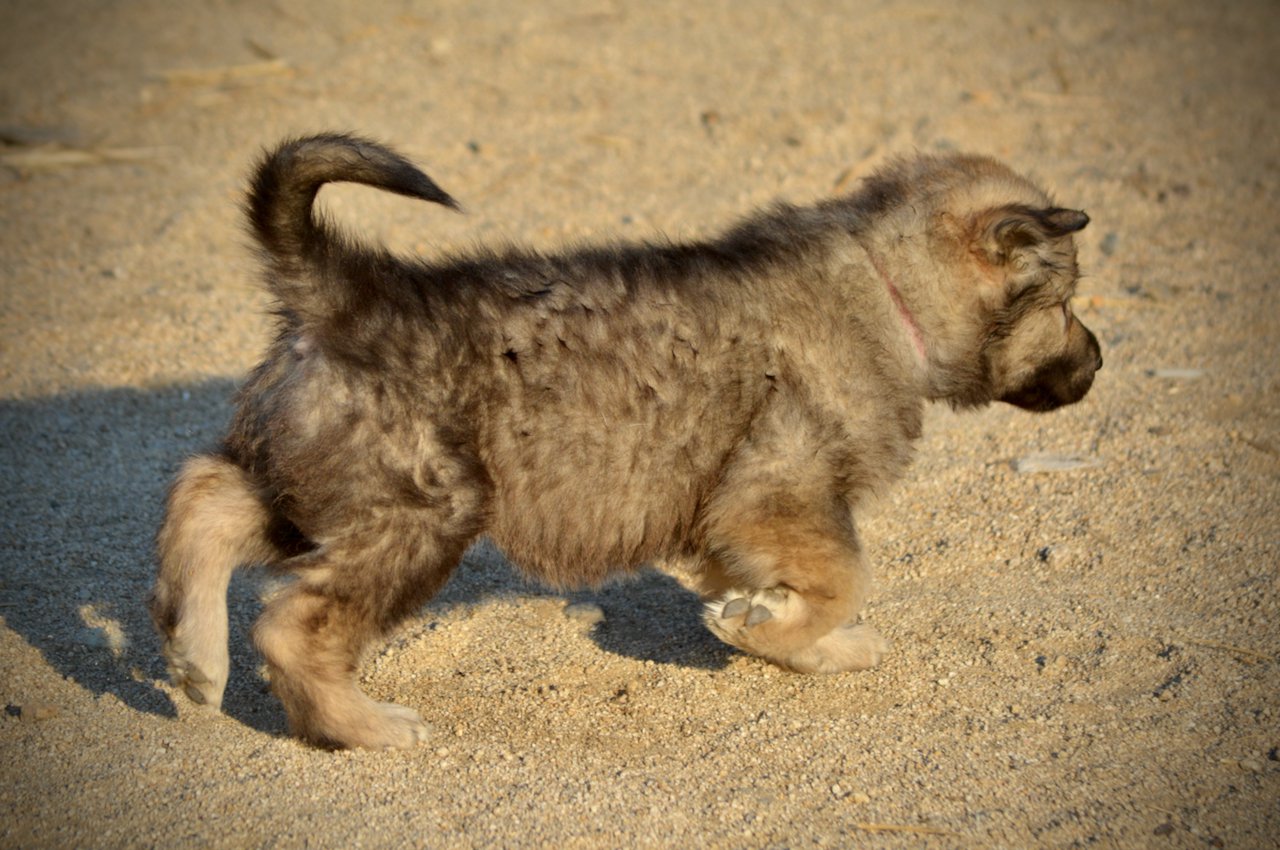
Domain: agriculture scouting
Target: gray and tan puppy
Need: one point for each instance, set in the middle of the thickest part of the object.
(729, 402)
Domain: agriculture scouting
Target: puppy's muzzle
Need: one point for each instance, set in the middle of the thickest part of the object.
(1062, 380)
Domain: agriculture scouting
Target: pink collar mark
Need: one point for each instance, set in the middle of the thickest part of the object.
(904, 312)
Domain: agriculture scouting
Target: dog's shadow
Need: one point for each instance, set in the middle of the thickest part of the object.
(649, 615)
(87, 473)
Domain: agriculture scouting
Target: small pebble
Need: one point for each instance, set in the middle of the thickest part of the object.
(1054, 666)
(1251, 765)
(33, 712)
(1176, 374)
(1108, 244)
(586, 613)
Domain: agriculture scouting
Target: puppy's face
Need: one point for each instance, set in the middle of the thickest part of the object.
(1039, 355)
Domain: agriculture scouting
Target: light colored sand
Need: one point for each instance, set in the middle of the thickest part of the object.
(1081, 657)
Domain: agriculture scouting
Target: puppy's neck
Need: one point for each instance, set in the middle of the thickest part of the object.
(904, 312)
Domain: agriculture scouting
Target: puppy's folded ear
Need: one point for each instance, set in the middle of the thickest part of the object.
(1059, 221)
(1006, 235)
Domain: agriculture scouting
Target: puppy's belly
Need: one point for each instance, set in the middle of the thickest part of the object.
(576, 522)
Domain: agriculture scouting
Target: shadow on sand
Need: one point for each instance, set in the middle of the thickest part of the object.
(87, 473)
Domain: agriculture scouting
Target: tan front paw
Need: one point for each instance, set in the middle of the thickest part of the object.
(739, 616)
(777, 623)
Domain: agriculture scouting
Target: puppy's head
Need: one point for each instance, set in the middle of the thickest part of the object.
(991, 262)
(1038, 355)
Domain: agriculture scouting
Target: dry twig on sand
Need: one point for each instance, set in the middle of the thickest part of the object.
(54, 156)
(225, 73)
(893, 827)
(1249, 656)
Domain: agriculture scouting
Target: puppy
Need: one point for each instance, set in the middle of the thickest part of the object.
(729, 402)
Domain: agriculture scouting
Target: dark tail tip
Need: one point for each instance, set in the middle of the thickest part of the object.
(287, 179)
(283, 190)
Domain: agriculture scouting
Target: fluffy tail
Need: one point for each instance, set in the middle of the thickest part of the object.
(301, 250)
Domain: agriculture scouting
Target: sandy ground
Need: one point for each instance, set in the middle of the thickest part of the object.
(1083, 656)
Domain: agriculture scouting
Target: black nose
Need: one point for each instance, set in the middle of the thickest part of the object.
(1097, 350)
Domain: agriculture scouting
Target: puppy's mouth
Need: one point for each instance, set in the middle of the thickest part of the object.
(1043, 397)
(1058, 382)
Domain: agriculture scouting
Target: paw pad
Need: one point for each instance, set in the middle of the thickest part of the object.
(744, 609)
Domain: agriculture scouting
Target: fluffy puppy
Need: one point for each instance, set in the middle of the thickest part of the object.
(728, 401)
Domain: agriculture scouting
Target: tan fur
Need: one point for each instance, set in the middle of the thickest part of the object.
(215, 521)
(730, 402)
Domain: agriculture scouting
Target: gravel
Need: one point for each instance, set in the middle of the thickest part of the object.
(1085, 655)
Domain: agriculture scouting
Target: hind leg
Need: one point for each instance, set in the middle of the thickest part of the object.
(788, 589)
(214, 522)
(349, 592)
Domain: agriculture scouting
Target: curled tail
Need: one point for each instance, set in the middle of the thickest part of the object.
(300, 249)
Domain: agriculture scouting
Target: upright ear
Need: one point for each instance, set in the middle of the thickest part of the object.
(1002, 235)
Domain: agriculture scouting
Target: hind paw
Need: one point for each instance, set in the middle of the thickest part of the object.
(853, 646)
(202, 679)
(348, 719)
(394, 727)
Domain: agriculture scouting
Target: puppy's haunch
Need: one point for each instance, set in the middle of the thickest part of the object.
(729, 401)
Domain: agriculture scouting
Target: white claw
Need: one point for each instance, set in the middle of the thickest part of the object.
(195, 675)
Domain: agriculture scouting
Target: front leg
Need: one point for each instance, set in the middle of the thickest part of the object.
(789, 589)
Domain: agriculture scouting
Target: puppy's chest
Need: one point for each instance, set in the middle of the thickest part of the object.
(866, 427)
